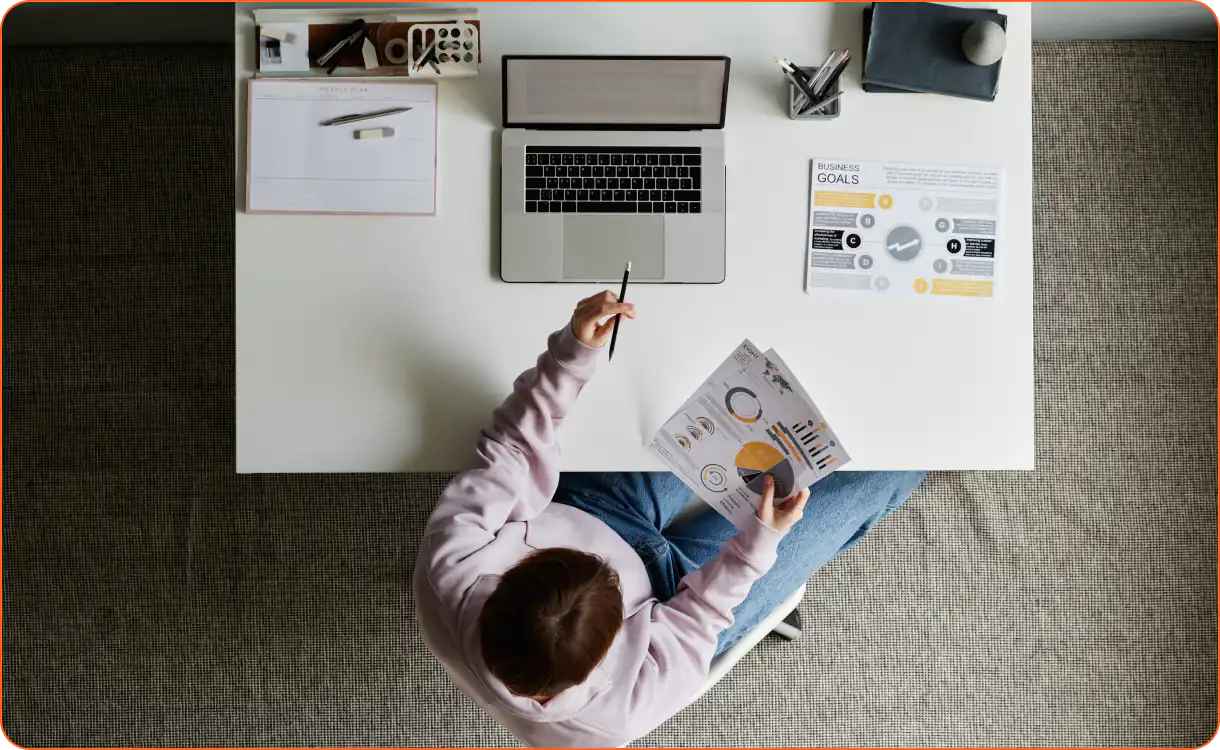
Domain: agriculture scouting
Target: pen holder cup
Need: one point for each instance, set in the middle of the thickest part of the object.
(796, 98)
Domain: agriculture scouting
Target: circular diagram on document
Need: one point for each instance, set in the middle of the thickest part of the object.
(954, 245)
(903, 243)
(867, 221)
(756, 460)
(743, 404)
(714, 478)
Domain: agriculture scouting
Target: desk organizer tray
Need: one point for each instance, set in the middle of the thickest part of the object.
(426, 44)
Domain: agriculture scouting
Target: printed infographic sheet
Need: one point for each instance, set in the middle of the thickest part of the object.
(749, 419)
(913, 230)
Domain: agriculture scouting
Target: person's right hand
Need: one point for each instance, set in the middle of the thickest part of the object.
(593, 321)
(783, 515)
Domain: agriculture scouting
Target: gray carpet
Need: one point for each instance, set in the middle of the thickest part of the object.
(152, 597)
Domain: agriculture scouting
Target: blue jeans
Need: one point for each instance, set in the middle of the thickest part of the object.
(641, 507)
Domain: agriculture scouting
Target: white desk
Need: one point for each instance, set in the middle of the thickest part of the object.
(383, 343)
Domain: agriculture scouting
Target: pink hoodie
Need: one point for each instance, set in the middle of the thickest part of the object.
(493, 515)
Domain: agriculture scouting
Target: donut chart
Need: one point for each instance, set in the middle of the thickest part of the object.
(715, 478)
(756, 460)
(743, 404)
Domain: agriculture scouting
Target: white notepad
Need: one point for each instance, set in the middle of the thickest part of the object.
(295, 164)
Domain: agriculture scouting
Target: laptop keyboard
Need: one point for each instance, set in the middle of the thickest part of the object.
(613, 179)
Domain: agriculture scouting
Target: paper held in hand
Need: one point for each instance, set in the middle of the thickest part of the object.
(751, 418)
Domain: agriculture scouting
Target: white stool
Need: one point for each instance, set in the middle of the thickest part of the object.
(723, 663)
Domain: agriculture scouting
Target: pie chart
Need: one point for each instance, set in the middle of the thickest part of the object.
(756, 460)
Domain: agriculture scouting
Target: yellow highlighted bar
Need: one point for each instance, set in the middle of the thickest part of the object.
(843, 199)
(795, 453)
(961, 288)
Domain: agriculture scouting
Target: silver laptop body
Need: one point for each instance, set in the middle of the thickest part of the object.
(606, 160)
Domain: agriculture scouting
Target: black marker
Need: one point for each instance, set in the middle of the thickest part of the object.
(622, 294)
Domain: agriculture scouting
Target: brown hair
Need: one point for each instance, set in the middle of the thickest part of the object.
(550, 621)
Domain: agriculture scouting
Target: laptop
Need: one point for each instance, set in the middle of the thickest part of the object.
(613, 159)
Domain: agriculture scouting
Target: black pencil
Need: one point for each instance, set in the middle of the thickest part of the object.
(622, 294)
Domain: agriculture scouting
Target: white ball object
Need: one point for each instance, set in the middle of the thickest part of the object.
(984, 42)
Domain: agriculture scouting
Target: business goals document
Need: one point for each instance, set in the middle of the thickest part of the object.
(751, 418)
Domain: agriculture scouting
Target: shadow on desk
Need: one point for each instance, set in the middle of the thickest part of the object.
(456, 407)
(443, 400)
(241, 143)
(493, 234)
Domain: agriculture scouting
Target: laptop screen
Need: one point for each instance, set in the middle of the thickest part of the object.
(633, 92)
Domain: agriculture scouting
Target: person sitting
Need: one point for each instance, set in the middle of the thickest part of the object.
(573, 607)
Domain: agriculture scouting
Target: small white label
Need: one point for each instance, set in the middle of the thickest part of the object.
(375, 133)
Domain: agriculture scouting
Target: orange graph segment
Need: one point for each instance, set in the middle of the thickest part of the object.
(788, 443)
(758, 457)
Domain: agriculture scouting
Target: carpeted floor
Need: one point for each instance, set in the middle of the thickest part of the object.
(153, 597)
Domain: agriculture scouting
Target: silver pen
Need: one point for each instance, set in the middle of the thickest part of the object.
(367, 116)
(836, 68)
(824, 70)
(351, 38)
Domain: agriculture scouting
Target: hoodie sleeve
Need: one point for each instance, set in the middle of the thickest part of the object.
(683, 631)
(516, 466)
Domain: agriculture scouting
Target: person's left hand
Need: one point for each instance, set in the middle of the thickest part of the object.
(783, 515)
(593, 321)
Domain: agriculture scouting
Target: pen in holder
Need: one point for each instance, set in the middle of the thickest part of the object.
(797, 100)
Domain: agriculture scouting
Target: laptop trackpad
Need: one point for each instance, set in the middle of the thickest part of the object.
(595, 248)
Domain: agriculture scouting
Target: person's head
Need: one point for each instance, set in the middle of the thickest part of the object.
(550, 621)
